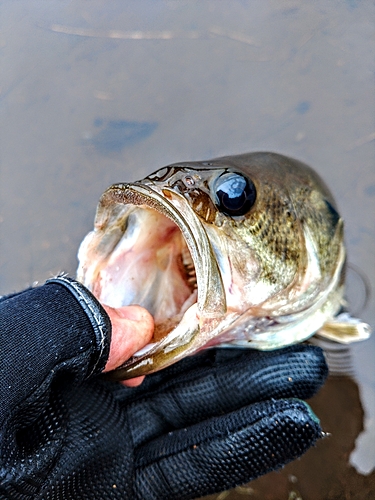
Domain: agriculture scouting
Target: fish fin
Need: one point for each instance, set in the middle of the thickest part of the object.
(345, 329)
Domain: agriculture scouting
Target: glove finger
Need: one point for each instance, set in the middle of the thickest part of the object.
(214, 388)
(302, 365)
(224, 452)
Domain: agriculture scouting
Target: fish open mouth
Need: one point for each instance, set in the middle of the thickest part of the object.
(149, 248)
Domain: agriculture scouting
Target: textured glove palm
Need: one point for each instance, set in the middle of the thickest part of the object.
(202, 426)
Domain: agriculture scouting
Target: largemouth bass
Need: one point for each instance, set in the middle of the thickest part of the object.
(243, 250)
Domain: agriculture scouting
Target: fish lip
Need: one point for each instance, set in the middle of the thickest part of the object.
(211, 298)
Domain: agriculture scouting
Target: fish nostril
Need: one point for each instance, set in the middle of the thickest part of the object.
(189, 181)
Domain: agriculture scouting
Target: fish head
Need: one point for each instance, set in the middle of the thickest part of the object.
(241, 250)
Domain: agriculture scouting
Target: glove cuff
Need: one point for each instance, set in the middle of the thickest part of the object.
(97, 316)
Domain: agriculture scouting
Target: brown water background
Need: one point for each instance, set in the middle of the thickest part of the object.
(99, 92)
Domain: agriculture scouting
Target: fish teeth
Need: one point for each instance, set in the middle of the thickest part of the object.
(191, 276)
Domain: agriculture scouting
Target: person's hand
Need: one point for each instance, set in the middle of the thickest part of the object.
(208, 425)
(132, 329)
(201, 426)
(220, 419)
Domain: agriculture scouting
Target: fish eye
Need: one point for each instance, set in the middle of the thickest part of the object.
(235, 194)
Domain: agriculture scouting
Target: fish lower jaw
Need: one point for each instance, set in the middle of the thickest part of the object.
(186, 338)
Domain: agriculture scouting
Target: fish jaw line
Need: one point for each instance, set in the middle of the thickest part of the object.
(200, 320)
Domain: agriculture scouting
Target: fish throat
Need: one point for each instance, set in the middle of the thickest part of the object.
(150, 265)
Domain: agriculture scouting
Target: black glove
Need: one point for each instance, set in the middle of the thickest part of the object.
(206, 424)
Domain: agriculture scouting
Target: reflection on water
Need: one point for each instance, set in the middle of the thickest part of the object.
(115, 135)
(95, 93)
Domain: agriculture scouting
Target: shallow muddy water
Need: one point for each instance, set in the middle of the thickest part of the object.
(99, 92)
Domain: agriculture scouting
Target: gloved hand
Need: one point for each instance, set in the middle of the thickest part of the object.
(222, 418)
(205, 424)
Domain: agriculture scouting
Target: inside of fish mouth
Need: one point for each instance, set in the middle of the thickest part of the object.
(149, 265)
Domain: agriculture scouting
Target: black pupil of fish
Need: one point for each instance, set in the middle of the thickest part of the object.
(236, 194)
